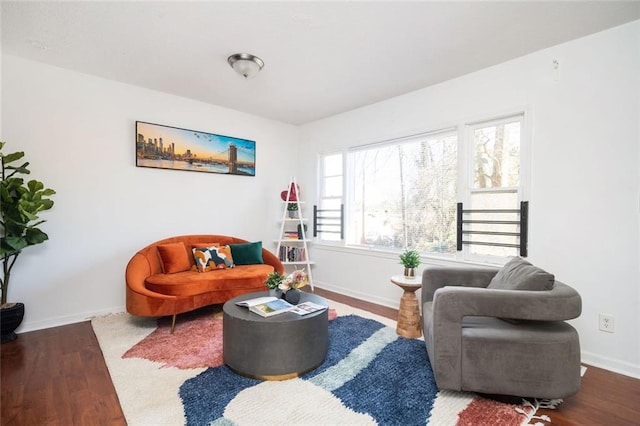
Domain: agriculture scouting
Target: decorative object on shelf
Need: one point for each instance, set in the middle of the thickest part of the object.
(20, 205)
(157, 147)
(410, 259)
(292, 193)
(245, 64)
(302, 231)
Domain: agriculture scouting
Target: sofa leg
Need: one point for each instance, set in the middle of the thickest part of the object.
(173, 323)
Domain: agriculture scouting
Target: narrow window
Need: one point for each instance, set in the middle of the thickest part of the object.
(495, 181)
(331, 198)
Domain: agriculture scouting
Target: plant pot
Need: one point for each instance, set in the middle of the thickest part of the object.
(410, 272)
(275, 292)
(11, 318)
(292, 214)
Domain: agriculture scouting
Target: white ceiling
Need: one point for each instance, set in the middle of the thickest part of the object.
(321, 58)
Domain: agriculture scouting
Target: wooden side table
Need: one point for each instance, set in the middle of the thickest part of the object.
(409, 324)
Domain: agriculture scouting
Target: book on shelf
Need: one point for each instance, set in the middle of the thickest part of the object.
(307, 308)
(292, 254)
(267, 306)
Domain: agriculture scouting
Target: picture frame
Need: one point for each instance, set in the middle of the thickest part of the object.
(167, 147)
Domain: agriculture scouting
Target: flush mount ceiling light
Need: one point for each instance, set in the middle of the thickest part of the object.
(245, 64)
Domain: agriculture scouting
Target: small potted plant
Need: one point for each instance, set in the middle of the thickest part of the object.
(292, 208)
(410, 259)
(273, 281)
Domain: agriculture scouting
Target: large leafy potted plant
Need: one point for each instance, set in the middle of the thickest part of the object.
(20, 204)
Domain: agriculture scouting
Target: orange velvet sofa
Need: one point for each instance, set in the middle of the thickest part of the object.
(151, 291)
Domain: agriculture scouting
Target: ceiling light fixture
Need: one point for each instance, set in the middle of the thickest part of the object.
(245, 64)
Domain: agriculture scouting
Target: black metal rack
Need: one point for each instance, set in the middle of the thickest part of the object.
(520, 226)
(326, 221)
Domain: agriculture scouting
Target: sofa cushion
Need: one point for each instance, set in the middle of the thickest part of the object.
(192, 283)
(518, 274)
(175, 257)
(247, 254)
(213, 257)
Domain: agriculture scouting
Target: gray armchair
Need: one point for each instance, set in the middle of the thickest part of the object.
(500, 341)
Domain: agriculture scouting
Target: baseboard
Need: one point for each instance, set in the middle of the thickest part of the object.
(383, 301)
(65, 320)
(611, 364)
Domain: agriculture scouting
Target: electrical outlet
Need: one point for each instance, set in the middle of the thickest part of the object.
(606, 323)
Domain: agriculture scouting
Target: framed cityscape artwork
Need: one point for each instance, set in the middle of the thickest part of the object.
(166, 147)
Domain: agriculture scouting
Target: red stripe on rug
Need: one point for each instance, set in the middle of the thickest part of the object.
(482, 411)
(195, 343)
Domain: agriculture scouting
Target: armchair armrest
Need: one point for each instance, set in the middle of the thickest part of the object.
(558, 304)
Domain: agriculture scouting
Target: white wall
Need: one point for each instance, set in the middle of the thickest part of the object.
(78, 132)
(585, 181)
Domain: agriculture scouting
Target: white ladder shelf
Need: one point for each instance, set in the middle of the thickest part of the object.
(299, 245)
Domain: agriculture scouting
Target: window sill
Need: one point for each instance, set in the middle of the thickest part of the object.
(430, 259)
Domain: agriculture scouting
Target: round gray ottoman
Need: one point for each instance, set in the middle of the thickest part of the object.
(280, 347)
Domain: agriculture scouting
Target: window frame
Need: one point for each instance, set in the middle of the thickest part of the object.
(321, 186)
(392, 142)
(469, 167)
(465, 176)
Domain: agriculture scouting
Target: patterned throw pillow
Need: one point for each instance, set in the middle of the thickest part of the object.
(211, 258)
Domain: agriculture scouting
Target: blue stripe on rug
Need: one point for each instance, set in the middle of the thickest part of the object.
(205, 396)
(336, 376)
(368, 367)
(345, 334)
(398, 388)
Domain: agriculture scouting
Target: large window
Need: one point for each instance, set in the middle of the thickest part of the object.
(402, 193)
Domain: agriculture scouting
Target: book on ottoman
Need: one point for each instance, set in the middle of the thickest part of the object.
(266, 306)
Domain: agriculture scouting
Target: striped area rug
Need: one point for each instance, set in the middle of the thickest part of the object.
(370, 376)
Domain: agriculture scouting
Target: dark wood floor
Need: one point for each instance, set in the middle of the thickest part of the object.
(58, 376)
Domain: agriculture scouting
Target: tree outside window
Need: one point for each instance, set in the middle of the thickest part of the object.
(404, 194)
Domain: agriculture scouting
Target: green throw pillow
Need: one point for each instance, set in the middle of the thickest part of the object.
(247, 254)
